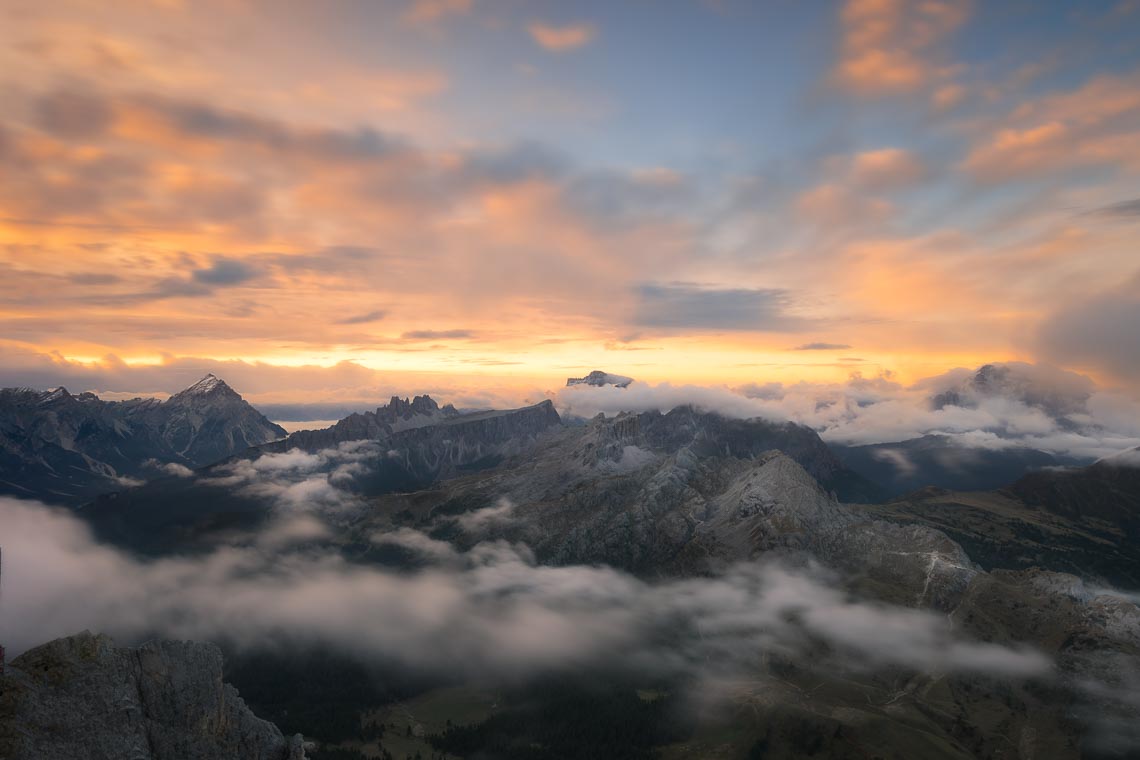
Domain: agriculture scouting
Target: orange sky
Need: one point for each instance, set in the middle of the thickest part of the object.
(496, 193)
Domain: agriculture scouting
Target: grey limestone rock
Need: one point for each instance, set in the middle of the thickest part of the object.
(83, 698)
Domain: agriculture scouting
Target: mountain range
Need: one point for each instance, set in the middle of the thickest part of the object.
(67, 449)
(1030, 567)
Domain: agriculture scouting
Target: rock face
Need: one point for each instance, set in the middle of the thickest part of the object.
(82, 698)
(62, 448)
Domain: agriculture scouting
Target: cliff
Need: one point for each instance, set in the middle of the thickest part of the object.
(82, 698)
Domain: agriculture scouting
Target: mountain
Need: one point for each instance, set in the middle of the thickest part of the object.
(693, 495)
(209, 421)
(405, 446)
(1082, 520)
(437, 446)
(939, 461)
(399, 414)
(687, 497)
(64, 448)
(1107, 491)
(82, 697)
(598, 378)
(685, 493)
(1061, 395)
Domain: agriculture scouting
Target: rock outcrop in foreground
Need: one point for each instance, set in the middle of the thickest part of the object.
(83, 698)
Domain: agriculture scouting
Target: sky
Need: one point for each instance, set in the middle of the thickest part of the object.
(330, 200)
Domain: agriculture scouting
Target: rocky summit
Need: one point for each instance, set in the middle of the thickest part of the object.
(83, 698)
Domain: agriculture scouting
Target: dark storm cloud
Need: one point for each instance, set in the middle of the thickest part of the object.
(685, 307)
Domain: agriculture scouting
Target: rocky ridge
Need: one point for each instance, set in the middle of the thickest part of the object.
(398, 415)
(682, 493)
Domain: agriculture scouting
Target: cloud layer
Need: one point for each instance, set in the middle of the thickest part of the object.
(1033, 406)
(490, 610)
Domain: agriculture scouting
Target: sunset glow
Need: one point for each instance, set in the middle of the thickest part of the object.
(349, 199)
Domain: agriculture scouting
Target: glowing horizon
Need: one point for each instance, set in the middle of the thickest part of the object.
(507, 194)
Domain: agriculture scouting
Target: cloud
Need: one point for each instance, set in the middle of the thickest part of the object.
(1101, 333)
(1129, 458)
(1096, 124)
(560, 39)
(489, 611)
(480, 519)
(821, 347)
(437, 334)
(1121, 210)
(892, 47)
(346, 385)
(886, 169)
(73, 115)
(363, 319)
(610, 199)
(171, 468)
(429, 11)
(833, 205)
(1033, 407)
(438, 552)
(295, 480)
(293, 529)
(225, 271)
(700, 307)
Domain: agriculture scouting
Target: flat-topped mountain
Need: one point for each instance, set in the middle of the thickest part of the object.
(64, 448)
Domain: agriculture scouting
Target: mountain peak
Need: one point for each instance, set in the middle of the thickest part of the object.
(211, 383)
(598, 378)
